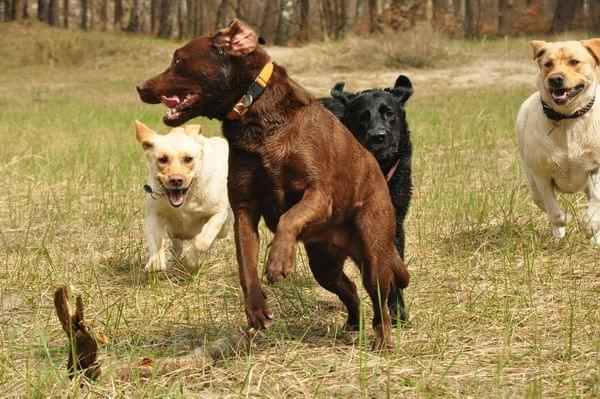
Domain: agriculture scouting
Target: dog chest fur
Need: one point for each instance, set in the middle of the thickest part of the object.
(567, 151)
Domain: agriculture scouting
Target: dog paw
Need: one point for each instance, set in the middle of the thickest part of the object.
(558, 232)
(382, 341)
(592, 227)
(559, 219)
(351, 325)
(258, 313)
(280, 261)
(202, 245)
(155, 264)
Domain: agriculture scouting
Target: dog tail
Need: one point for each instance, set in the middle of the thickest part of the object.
(401, 275)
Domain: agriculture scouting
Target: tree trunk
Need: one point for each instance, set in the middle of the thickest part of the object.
(84, 11)
(282, 23)
(65, 11)
(134, 18)
(53, 13)
(595, 14)
(504, 17)
(91, 18)
(373, 15)
(4, 10)
(305, 17)
(199, 23)
(42, 10)
(268, 27)
(154, 15)
(165, 28)
(180, 21)
(16, 10)
(190, 16)
(118, 14)
(438, 12)
(222, 14)
(563, 15)
(470, 23)
(104, 15)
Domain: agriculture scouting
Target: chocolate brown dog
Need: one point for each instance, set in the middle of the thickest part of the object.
(293, 163)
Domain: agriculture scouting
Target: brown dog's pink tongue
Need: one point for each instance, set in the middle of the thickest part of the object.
(170, 102)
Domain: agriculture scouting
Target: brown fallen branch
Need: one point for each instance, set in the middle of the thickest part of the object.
(84, 344)
(83, 339)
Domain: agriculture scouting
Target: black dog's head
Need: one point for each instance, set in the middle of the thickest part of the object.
(375, 117)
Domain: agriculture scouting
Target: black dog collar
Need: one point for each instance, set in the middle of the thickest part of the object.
(557, 116)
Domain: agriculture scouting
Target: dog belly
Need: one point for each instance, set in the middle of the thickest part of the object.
(571, 184)
(186, 230)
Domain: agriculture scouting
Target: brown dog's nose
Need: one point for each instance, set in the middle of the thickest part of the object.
(176, 180)
(146, 93)
(556, 80)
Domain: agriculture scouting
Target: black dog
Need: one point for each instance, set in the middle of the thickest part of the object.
(376, 117)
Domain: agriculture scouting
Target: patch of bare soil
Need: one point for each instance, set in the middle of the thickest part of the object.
(475, 73)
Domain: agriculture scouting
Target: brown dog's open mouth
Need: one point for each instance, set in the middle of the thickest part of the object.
(561, 96)
(176, 196)
(177, 107)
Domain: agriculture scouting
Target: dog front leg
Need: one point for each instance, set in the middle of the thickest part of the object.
(557, 218)
(246, 244)
(155, 237)
(591, 219)
(313, 207)
(205, 239)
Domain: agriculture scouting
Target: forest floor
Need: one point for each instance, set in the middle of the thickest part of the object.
(497, 307)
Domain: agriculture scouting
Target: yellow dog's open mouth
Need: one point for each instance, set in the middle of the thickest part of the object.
(176, 196)
(561, 96)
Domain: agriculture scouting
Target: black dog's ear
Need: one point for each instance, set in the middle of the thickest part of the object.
(338, 93)
(402, 89)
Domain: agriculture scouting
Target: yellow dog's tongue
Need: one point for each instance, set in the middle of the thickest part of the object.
(176, 197)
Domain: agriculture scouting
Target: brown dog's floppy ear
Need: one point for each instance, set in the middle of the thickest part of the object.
(538, 48)
(593, 46)
(241, 37)
(144, 135)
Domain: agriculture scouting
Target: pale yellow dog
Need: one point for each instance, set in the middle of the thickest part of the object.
(558, 131)
(187, 192)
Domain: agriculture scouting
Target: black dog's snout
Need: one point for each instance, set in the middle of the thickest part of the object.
(377, 136)
(140, 88)
(556, 80)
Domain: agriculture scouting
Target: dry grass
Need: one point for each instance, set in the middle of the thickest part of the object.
(497, 307)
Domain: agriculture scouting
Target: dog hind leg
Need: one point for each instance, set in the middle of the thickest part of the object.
(327, 265)
(591, 219)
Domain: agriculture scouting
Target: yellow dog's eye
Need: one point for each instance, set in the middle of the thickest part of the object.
(573, 62)
(163, 159)
(188, 159)
(548, 64)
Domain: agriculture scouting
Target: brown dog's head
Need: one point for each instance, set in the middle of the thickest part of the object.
(567, 70)
(208, 75)
(173, 159)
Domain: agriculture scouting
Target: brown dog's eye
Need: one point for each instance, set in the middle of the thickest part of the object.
(163, 159)
(548, 64)
(573, 62)
(188, 159)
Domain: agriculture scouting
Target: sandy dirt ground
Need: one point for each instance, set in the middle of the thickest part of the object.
(499, 72)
